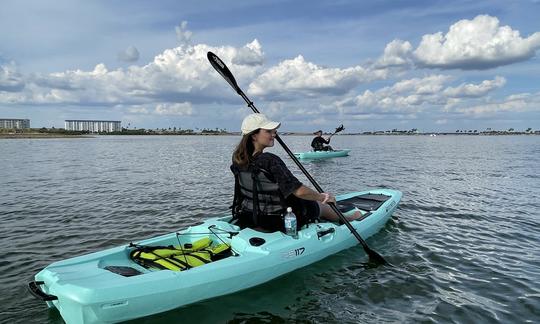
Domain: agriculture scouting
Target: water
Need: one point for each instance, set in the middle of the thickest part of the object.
(464, 240)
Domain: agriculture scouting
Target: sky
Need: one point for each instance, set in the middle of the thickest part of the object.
(370, 65)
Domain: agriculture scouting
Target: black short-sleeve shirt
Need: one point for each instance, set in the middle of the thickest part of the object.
(272, 163)
(318, 142)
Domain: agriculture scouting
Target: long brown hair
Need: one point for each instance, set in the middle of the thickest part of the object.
(244, 150)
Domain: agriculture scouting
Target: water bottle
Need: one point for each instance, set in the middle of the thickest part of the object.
(290, 223)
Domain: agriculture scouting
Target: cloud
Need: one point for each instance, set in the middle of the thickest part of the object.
(180, 74)
(477, 44)
(139, 110)
(10, 78)
(163, 108)
(422, 86)
(180, 80)
(514, 103)
(180, 109)
(250, 54)
(130, 54)
(417, 95)
(480, 43)
(296, 77)
(475, 90)
(403, 96)
(183, 35)
(397, 53)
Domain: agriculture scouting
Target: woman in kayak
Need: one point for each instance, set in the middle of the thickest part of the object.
(265, 187)
(319, 141)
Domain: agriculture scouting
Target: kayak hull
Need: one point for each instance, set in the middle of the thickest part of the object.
(86, 292)
(316, 155)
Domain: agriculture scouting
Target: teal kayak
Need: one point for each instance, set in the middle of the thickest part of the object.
(313, 155)
(112, 285)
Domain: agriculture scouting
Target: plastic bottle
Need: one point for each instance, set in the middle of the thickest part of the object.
(290, 223)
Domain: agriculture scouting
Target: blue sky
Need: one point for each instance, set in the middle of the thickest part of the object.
(371, 65)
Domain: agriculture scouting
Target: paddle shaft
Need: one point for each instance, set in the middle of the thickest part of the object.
(369, 251)
(222, 69)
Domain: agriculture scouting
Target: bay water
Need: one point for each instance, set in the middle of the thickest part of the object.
(464, 241)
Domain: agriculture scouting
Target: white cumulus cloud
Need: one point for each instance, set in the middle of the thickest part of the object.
(251, 54)
(479, 43)
(298, 77)
(418, 94)
(181, 74)
(475, 90)
(517, 103)
(396, 53)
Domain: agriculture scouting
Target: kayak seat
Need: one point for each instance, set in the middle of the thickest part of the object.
(367, 202)
(174, 258)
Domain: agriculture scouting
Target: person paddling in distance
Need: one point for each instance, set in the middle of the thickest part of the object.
(318, 142)
(265, 187)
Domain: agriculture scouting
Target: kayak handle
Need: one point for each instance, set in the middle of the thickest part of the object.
(38, 293)
(325, 232)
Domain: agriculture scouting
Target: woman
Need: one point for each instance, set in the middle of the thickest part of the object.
(265, 187)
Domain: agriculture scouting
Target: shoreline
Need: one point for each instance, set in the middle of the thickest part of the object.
(40, 135)
(53, 135)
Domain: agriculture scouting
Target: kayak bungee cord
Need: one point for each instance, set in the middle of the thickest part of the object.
(222, 69)
(217, 235)
(234, 253)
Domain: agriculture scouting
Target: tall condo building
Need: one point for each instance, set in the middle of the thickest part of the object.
(14, 123)
(94, 126)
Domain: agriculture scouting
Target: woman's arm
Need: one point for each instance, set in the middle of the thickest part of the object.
(310, 194)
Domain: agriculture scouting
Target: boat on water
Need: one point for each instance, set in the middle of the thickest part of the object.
(314, 155)
(200, 262)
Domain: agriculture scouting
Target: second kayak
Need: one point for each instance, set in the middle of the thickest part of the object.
(313, 155)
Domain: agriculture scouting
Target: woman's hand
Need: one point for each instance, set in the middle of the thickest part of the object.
(310, 194)
(327, 198)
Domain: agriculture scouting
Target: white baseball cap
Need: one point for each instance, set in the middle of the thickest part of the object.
(256, 121)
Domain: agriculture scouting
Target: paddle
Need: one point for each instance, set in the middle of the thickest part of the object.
(339, 129)
(222, 69)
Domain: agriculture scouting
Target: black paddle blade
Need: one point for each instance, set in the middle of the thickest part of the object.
(222, 69)
(375, 258)
(339, 129)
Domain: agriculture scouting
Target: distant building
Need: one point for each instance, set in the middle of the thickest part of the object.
(15, 123)
(94, 126)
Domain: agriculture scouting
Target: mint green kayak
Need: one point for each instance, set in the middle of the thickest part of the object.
(315, 155)
(113, 286)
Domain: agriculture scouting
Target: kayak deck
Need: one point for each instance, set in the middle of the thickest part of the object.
(95, 288)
